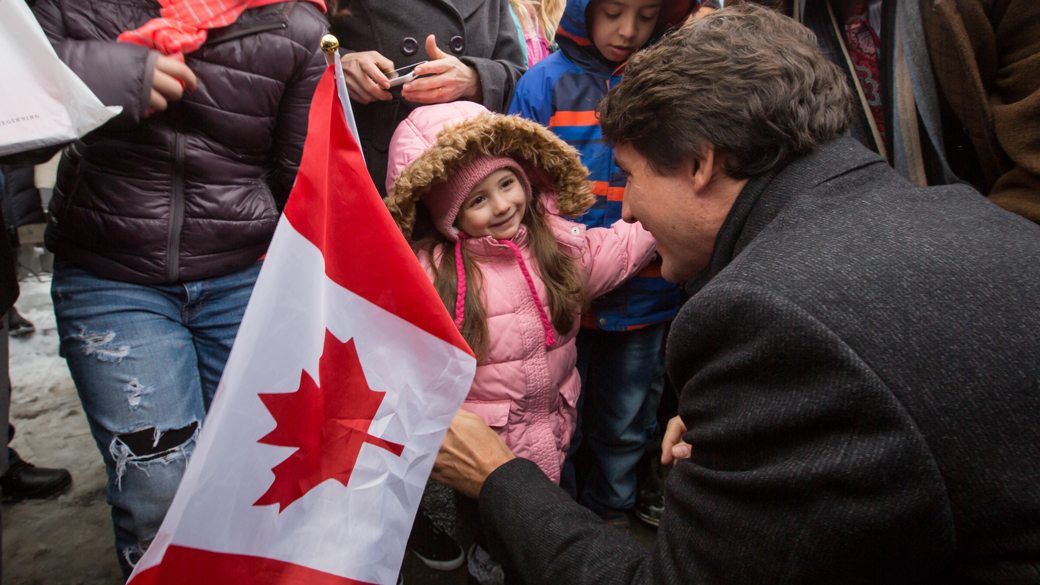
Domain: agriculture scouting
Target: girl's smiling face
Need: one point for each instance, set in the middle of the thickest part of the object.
(494, 207)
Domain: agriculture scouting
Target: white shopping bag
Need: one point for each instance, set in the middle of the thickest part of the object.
(42, 102)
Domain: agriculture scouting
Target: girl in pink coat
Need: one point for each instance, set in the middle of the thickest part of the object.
(481, 197)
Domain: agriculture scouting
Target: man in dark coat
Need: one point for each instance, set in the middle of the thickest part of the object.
(859, 370)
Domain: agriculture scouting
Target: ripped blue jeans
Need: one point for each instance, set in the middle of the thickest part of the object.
(146, 361)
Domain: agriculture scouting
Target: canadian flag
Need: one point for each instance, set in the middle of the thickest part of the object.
(344, 377)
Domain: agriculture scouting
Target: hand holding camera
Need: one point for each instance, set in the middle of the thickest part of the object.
(364, 74)
(443, 79)
(404, 74)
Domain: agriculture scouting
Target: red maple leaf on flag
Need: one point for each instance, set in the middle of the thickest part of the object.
(328, 424)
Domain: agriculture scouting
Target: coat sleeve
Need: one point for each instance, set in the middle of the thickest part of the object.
(615, 254)
(533, 97)
(499, 73)
(805, 469)
(119, 74)
(306, 27)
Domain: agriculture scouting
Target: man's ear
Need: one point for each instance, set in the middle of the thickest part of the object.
(703, 168)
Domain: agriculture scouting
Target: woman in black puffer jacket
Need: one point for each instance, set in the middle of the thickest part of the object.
(158, 223)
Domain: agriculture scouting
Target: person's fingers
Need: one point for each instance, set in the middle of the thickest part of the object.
(436, 95)
(448, 77)
(673, 433)
(432, 50)
(680, 451)
(672, 446)
(438, 67)
(169, 87)
(380, 61)
(178, 70)
(676, 452)
(469, 453)
(351, 75)
(156, 103)
(372, 90)
(433, 89)
(429, 83)
(357, 93)
(376, 74)
(360, 85)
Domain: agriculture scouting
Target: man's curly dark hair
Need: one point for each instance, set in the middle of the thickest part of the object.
(746, 79)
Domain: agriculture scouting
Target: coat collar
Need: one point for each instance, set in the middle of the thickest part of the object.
(764, 197)
(488, 246)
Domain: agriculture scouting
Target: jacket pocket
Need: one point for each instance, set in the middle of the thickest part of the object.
(495, 413)
(570, 390)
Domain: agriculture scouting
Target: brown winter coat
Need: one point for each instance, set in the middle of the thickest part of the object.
(986, 58)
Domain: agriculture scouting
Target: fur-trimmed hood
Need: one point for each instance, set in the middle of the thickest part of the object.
(434, 141)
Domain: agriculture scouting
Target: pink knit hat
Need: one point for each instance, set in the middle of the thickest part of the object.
(445, 199)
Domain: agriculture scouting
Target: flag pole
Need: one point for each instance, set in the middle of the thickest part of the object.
(330, 46)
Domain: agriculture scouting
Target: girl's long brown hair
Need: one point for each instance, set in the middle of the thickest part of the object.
(563, 278)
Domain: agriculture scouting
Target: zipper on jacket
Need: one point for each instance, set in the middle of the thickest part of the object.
(272, 19)
(173, 244)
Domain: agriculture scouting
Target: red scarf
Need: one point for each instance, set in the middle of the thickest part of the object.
(182, 26)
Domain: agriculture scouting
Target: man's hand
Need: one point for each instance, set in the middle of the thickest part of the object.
(365, 76)
(468, 455)
(169, 81)
(673, 447)
(450, 79)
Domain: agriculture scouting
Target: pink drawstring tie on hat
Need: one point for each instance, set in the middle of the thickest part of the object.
(460, 303)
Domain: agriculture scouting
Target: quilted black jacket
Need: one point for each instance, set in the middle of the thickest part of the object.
(195, 191)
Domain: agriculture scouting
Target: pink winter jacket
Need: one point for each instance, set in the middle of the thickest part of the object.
(527, 391)
(524, 390)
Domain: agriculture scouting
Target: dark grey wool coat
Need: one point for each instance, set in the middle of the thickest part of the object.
(859, 378)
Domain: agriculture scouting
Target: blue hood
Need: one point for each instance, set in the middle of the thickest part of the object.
(573, 37)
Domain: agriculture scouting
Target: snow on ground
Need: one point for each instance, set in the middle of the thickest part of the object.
(65, 540)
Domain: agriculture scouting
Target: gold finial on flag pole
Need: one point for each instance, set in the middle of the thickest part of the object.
(329, 44)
